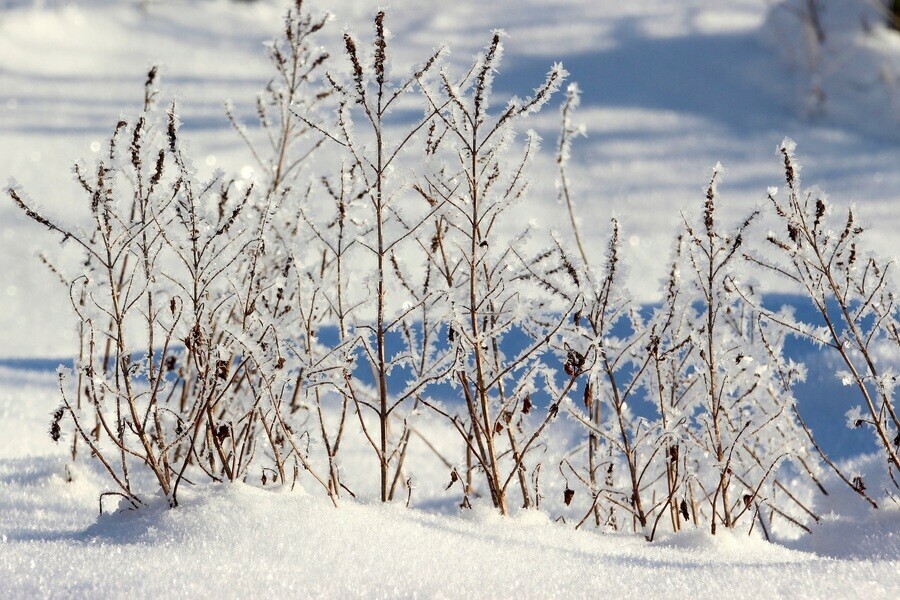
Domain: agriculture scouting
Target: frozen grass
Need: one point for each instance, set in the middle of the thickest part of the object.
(241, 540)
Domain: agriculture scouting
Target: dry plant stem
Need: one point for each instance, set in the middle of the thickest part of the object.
(810, 15)
(374, 170)
(476, 213)
(110, 252)
(422, 368)
(830, 463)
(567, 132)
(716, 252)
(777, 482)
(124, 250)
(299, 454)
(598, 319)
(222, 374)
(248, 375)
(297, 61)
(672, 450)
(517, 455)
(714, 399)
(605, 364)
(862, 346)
(428, 330)
(82, 340)
(123, 485)
(593, 442)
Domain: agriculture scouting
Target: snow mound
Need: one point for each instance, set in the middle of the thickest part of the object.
(877, 536)
(727, 546)
(849, 528)
(236, 540)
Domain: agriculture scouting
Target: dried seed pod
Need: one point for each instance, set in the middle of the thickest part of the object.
(55, 430)
(574, 363)
(673, 454)
(793, 233)
(222, 369)
(568, 494)
(380, 48)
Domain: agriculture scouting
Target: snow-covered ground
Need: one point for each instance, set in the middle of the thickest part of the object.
(670, 88)
(242, 541)
(239, 541)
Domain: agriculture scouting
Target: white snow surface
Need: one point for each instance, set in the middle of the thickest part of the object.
(670, 89)
(238, 541)
(232, 541)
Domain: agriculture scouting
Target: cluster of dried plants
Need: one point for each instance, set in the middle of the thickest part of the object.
(184, 370)
(233, 330)
(688, 407)
(854, 295)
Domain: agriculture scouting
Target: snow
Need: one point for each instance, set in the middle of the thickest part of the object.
(668, 89)
(238, 541)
